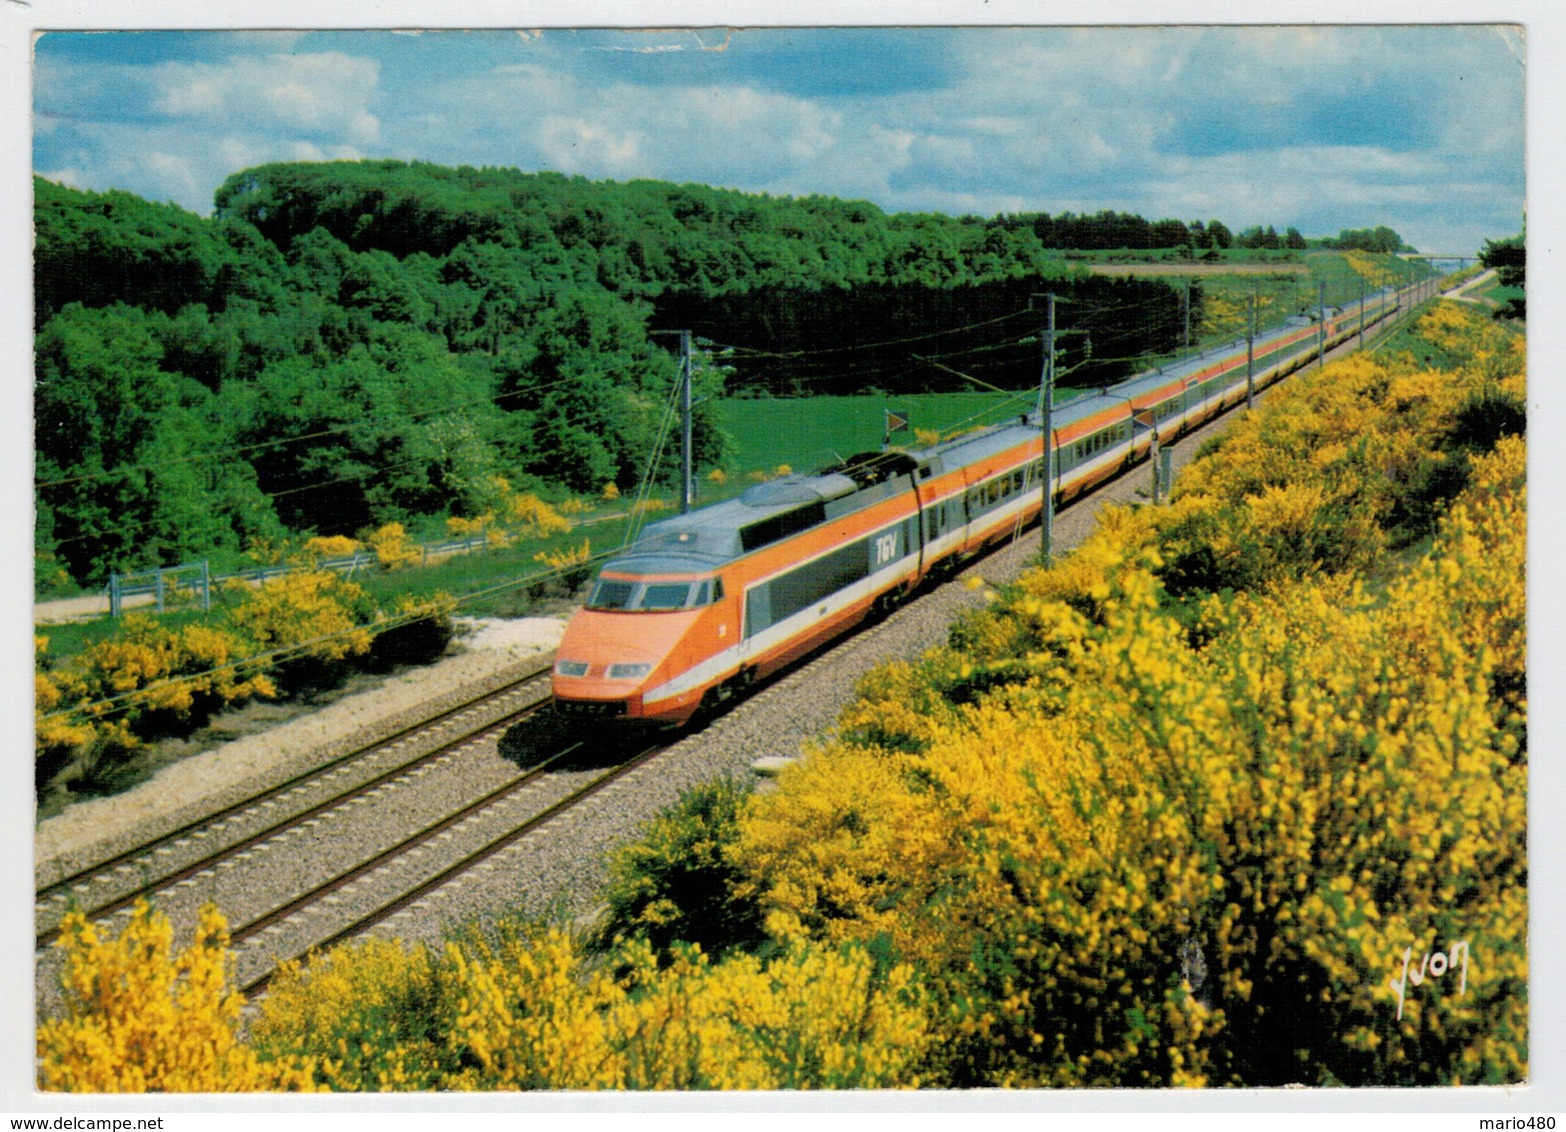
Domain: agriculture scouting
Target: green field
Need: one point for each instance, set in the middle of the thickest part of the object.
(809, 433)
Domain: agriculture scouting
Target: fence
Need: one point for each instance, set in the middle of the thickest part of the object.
(168, 589)
(165, 584)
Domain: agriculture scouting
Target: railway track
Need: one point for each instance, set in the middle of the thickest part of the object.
(219, 838)
(396, 880)
(296, 868)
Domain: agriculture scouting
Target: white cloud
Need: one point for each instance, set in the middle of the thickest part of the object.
(326, 93)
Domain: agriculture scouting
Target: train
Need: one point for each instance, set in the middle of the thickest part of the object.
(703, 605)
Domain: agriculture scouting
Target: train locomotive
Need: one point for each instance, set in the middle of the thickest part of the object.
(702, 605)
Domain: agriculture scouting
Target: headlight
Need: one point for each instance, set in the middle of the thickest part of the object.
(570, 668)
(628, 671)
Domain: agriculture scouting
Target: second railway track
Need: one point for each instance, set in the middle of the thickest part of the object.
(226, 834)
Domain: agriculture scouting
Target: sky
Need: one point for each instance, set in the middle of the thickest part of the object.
(1315, 127)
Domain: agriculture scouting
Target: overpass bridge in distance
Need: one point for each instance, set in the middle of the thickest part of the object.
(1462, 259)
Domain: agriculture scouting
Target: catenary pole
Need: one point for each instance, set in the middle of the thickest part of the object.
(1321, 325)
(687, 480)
(1047, 428)
(1250, 355)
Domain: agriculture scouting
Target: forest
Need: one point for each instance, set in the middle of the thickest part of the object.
(348, 344)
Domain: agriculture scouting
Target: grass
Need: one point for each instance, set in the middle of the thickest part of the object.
(1403, 340)
(808, 433)
(1294, 287)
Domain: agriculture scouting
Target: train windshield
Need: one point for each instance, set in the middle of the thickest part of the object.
(653, 597)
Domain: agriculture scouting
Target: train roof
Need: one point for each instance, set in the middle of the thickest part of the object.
(708, 537)
(768, 512)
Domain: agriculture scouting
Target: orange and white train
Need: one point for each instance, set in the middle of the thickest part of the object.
(703, 605)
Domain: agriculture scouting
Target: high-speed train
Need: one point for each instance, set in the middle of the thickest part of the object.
(702, 605)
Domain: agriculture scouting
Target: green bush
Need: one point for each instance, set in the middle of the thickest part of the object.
(676, 884)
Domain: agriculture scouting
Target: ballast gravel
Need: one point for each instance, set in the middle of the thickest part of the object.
(493, 652)
(561, 870)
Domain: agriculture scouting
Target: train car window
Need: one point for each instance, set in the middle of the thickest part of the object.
(717, 589)
(768, 531)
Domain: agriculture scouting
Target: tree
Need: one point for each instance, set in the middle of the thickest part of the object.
(1509, 258)
(1170, 234)
(134, 464)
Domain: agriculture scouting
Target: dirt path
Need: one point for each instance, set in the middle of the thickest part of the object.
(1461, 295)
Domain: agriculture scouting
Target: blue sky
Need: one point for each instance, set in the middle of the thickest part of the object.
(1320, 128)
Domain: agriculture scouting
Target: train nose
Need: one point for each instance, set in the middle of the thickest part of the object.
(605, 660)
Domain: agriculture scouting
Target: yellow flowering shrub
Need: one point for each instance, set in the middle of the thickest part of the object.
(520, 1007)
(150, 678)
(364, 1011)
(459, 527)
(317, 610)
(565, 558)
(140, 1018)
(537, 518)
(324, 547)
(494, 535)
(392, 546)
(812, 1018)
(1141, 840)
